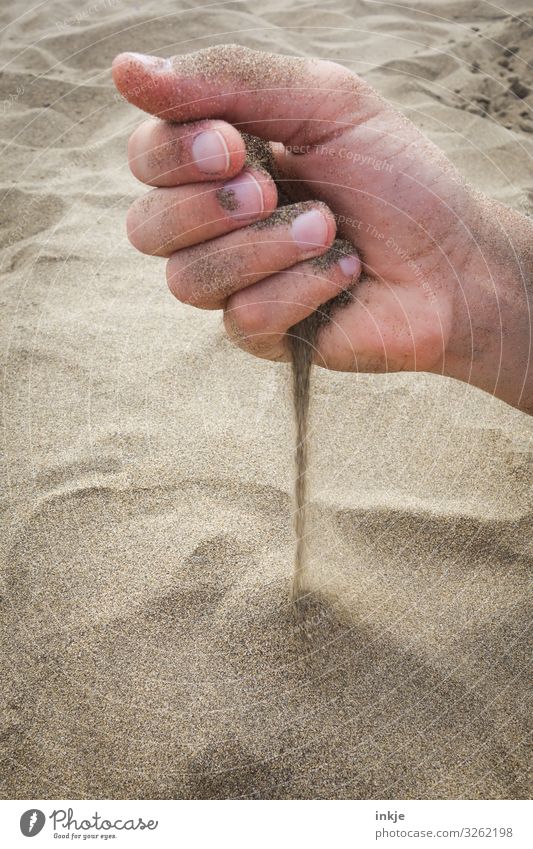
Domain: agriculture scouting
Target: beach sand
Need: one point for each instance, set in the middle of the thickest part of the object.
(149, 649)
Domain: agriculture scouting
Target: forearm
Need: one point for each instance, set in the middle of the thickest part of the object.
(491, 345)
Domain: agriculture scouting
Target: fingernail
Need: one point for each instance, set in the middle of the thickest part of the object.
(310, 230)
(350, 265)
(241, 197)
(210, 152)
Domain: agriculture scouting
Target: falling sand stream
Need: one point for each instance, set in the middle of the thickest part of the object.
(301, 340)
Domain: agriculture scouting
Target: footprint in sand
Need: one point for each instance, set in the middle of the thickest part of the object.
(500, 83)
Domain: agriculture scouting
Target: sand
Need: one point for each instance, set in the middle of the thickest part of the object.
(148, 645)
(302, 340)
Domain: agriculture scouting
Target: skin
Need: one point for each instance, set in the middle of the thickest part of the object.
(445, 279)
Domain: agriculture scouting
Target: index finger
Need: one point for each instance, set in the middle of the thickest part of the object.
(164, 154)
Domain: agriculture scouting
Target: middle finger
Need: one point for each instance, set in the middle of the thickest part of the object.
(166, 220)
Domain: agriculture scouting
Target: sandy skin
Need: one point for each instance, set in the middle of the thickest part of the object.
(447, 273)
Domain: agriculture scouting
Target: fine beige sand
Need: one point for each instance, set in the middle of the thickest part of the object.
(148, 647)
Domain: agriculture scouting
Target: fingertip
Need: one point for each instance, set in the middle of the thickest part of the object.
(138, 60)
(130, 72)
(330, 222)
(122, 69)
(268, 189)
(218, 150)
(139, 146)
(132, 227)
(117, 61)
(250, 196)
(175, 278)
(236, 145)
(350, 266)
(183, 283)
(117, 70)
(138, 233)
(313, 230)
(122, 65)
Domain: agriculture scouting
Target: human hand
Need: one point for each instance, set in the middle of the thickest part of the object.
(440, 289)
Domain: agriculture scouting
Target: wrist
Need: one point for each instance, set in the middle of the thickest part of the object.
(490, 345)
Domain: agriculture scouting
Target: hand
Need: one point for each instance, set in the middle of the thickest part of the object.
(446, 273)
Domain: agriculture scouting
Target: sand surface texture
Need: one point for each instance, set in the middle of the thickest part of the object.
(148, 648)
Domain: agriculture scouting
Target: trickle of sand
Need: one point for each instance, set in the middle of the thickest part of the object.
(301, 339)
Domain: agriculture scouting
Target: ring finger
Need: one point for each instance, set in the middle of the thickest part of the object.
(206, 275)
(257, 318)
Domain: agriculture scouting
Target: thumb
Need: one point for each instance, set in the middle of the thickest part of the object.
(281, 98)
